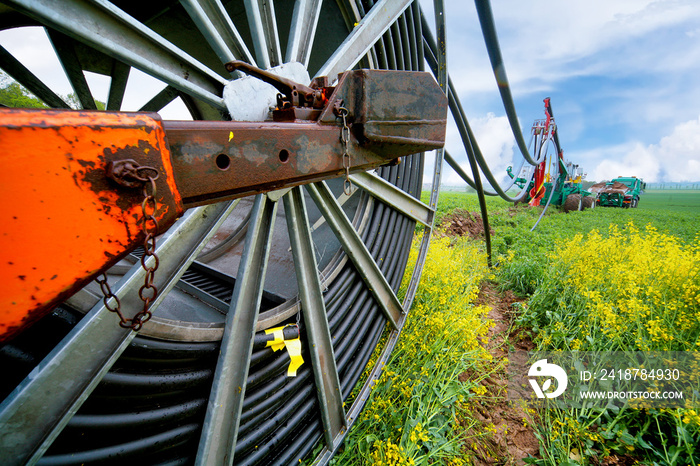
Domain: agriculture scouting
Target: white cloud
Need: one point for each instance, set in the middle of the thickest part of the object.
(495, 140)
(570, 31)
(544, 43)
(675, 158)
(638, 161)
(31, 46)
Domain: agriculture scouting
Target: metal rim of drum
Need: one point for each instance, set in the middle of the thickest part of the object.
(398, 48)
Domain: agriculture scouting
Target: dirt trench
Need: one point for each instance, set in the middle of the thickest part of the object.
(503, 433)
(463, 223)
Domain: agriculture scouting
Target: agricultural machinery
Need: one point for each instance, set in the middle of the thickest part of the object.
(555, 179)
(211, 289)
(620, 192)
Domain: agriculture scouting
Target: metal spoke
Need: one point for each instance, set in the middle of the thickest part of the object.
(220, 431)
(443, 80)
(110, 30)
(65, 51)
(263, 28)
(120, 76)
(160, 100)
(357, 251)
(216, 26)
(303, 30)
(38, 409)
(380, 18)
(26, 78)
(395, 197)
(315, 318)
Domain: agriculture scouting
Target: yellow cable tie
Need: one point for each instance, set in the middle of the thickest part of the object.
(277, 343)
(294, 350)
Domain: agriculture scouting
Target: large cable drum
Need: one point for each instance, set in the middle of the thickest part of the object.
(145, 397)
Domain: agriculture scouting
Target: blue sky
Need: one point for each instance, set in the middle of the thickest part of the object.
(623, 75)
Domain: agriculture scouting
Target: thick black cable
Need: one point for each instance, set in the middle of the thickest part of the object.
(488, 28)
(551, 195)
(467, 141)
(465, 131)
(472, 146)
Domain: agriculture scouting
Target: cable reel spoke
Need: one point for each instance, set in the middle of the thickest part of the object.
(25, 77)
(220, 431)
(263, 28)
(313, 308)
(71, 65)
(393, 196)
(218, 29)
(113, 32)
(357, 251)
(45, 401)
(301, 36)
(119, 77)
(380, 18)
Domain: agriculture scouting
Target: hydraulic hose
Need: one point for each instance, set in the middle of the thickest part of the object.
(551, 195)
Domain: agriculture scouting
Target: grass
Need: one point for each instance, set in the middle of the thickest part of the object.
(612, 280)
(418, 402)
(607, 279)
(625, 290)
(671, 200)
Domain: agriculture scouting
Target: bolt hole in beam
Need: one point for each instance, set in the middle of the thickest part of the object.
(223, 161)
(284, 156)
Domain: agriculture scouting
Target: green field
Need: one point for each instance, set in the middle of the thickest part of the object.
(676, 200)
(673, 212)
(599, 280)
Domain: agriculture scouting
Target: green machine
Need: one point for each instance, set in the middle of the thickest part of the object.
(620, 192)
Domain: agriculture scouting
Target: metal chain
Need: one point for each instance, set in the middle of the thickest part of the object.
(149, 224)
(345, 138)
(148, 292)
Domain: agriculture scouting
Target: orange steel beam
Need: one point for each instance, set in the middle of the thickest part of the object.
(63, 221)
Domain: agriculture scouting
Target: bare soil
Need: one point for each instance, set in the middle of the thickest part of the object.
(509, 436)
(503, 434)
(463, 223)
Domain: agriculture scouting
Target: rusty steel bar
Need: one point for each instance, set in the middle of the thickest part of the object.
(388, 120)
(215, 162)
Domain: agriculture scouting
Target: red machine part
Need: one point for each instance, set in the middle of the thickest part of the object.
(537, 192)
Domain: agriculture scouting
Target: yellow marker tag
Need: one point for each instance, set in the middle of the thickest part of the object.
(294, 350)
(230, 136)
(278, 342)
